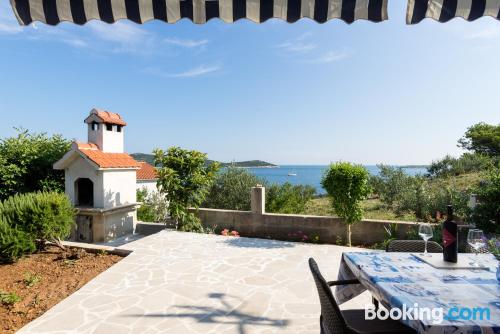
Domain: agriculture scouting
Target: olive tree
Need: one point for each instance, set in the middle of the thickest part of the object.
(347, 185)
(185, 179)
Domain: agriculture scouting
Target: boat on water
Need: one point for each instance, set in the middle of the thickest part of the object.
(292, 174)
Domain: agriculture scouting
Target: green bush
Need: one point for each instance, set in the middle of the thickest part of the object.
(390, 183)
(231, 189)
(26, 162)
(467, 163)
(486, 215)
(287, 198)
(347, 185)
(14, 243)
(145, 212)
(41, 216)
(427, 200)
(154, 207)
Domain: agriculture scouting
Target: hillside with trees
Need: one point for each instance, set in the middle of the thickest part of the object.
(149, 158)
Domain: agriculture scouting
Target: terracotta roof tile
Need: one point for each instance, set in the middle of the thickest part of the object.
(110, 160)
(86, 146)
(146, 172)
(108, 117)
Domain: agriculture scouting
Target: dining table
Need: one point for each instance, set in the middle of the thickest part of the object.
(452, 301)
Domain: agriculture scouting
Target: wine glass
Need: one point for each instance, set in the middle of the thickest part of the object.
(475, 239)
(425, 232)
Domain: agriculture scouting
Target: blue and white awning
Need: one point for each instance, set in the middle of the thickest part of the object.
(445, 10)
(199, 11)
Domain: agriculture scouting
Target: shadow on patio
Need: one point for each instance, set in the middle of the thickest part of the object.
(226, 314)
(258, 243)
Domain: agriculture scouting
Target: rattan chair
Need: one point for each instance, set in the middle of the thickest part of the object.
(411, 246)
(334, 321)
(482, 250)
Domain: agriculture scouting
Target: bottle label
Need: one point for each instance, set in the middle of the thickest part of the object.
(448, 238)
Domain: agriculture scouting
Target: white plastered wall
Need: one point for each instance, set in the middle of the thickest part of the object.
(119, 187)
(107, 141)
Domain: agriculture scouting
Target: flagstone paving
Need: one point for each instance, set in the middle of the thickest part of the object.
(176, 282)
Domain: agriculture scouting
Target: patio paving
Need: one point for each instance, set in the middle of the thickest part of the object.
(176, 282)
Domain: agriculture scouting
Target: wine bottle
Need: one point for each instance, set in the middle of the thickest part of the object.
(450, 237)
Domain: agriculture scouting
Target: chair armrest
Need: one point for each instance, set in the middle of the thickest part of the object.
(343, 282)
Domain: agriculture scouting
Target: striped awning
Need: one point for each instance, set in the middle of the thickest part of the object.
(445, 10)
(199, 11)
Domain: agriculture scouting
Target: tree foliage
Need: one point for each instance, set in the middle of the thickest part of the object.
(231, 189)
(389, 183)
(288, 198)
(347, 185)
(26, 163)
(154, 206)
(185, 180)
(467, 163)
(486, 215)
(482, 138)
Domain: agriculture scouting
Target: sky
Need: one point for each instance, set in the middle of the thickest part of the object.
(302, 93)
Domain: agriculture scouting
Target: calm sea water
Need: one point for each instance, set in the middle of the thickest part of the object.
(311, 175)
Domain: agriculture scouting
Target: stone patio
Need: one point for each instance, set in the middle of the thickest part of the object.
(177, 282)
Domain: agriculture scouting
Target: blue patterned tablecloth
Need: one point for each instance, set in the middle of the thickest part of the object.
(401, 280)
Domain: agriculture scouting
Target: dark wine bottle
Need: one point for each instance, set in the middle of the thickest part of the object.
(450, 237)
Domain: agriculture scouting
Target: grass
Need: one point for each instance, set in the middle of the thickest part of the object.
(373, 209)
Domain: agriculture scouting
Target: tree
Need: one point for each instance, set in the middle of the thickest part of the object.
(231, 189)
(185, 180)
(26, 163)
(482, 138)
(390, 183)
(347, 185)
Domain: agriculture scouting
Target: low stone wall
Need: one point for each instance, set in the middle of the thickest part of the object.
(281, 227)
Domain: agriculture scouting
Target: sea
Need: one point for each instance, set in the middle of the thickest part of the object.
(311, 175)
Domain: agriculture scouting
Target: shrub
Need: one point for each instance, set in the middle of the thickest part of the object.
(347, 185)
(145, 212)
(154, 207)
(486, 215)
(288, 198)
(26, 163)
(184, 180)
(231, 189)
(41, 216)
(14, 243)
(428, 200)
(467, 163)
(390, 183)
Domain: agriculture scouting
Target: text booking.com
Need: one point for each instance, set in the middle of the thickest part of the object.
(435, 315)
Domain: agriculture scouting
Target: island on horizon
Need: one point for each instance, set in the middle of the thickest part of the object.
(149, 158)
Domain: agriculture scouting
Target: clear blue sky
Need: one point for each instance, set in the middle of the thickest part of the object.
(299, 93)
